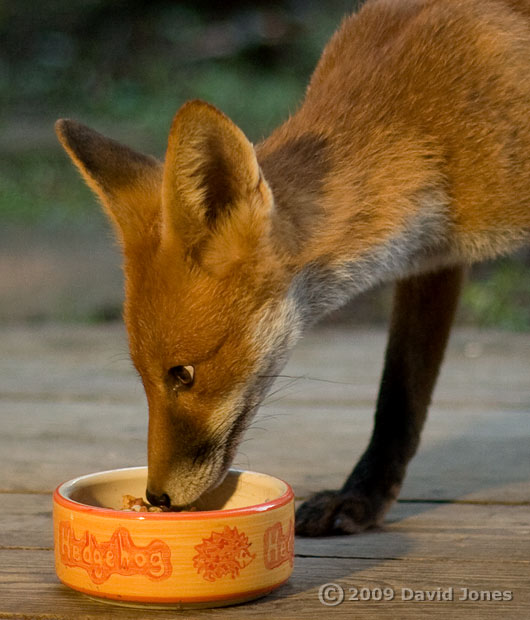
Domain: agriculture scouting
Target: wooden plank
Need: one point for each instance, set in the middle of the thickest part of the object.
(414, 531)
(62, 440)
(26, 521)
(44, 273)
(436, 533)
(480, 368)
(455, 459)
(70, 364)
(92, 409)
(29, 589)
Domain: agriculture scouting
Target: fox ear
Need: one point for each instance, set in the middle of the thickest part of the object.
(128, 183)
(210, 167)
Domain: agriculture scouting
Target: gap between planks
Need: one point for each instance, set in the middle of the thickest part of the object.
(332, 557)
(404, 500)
(24, 492)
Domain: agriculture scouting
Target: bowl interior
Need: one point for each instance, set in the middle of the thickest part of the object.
(238, 490)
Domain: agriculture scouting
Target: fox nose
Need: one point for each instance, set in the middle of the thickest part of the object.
(158, 500)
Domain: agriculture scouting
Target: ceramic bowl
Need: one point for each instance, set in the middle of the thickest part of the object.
(238, 547)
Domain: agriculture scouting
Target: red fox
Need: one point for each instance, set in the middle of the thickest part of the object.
(408, 159)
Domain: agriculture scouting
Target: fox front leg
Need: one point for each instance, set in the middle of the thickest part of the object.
(422, 315)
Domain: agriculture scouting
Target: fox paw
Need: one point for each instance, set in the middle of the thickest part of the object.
(333, 512)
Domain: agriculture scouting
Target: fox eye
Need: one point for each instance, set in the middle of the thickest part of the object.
(182, 375)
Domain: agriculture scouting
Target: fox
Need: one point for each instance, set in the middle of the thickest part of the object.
(407, 161)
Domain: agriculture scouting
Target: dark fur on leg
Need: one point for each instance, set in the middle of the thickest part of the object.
(424, 307)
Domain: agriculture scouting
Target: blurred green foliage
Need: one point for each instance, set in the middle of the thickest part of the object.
(125, 66)
(501, 297)
(135, 62)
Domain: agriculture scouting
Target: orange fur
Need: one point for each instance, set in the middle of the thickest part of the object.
(127, 182)
(410, 152)
(413, 95)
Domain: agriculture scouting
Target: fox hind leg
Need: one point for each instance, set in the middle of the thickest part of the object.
(422, 315)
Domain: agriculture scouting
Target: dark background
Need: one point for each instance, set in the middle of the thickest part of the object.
(124, 67)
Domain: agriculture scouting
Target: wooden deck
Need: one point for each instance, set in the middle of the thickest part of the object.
(70, 404)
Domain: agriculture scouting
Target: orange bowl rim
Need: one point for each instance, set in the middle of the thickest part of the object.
(70, 504)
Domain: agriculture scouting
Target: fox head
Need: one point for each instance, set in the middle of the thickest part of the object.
(208, 314)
